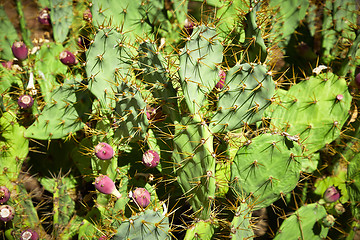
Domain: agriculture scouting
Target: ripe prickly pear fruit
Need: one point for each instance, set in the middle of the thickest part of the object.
(7, 213)
(221, 83)
(19, 50)
(141, 196)
(105, 185)
(4, 194)
(331, 194)
(104, 151)
(328, 221)
(29, 234)
(68, 58)
(25, 101)
(357, 80)
(44, 17)
(150, 159)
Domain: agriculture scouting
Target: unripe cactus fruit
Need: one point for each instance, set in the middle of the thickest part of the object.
(331, 194)
(68, 58)
(151, 159)
(221, 83)
(25, 101)
(29, 234)
(7, 213)
(19, 50)
(104, 151)
(328, 221)
(44, 17)
(105, 185)
(4, 194)
(141, 196)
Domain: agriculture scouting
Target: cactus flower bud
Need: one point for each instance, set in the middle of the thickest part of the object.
(103, 238)
(105, 185)
(141, 196)
(44, 17)
(7, 64)
(4, 194)
(104, 151)
(331, 194)
(87, 16)
(328, 221)
(25, 101)
(29, 234)
(189, 26)
(6, 213)
(339, 97)
(150, 159)
(19, 50)
(221, 83)
(339, 208)
(68, 58)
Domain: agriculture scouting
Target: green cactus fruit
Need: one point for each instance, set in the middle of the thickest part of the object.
(198, 66)
(255, 171)
(249, 88)
(304, 223)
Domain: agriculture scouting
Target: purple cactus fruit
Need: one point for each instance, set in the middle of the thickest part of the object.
(141, 196)
(103, 238)
(87, 16)
(104, 151)
(68, 58)
(25, 101)
(29, 234)
(105, 185)
(331, 194)
(357, 80)
(19, 50)
(44, 17)
(4, 194)
(7, 64)
(221, 83)
(7, 213)
(328, 221)
(189, 26)
(150, 159)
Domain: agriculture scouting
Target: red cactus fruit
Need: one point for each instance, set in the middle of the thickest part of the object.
(44, 17)
(4, 194)
(68, 58)
(141, 196)
(221, 83)
(7, 64)
(104, 151)
(87, 16)
(331, 194)
(19, 50)
(7, 213)
(105, 185)
(25, 101)
(151, 159)
(29, 234)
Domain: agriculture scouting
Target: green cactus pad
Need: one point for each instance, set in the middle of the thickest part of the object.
(49, 68)
(353, 186)
(248, 90)
(61, 18)
(305, 223)
(195, 164)
(108, 61)
(312, 111)
(130, 117)
(240, 225)
(255, 171)
(6, 40)
(148, 225)
(59, 117)
(203, 230)
(198, 66)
